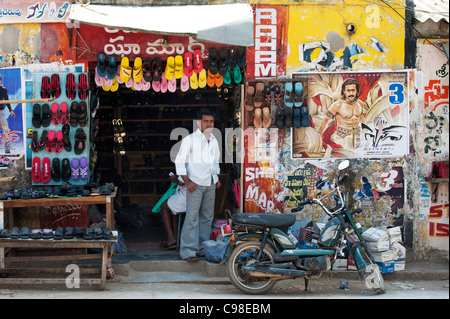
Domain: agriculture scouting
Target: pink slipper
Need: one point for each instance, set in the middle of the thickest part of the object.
(130, 82)
(145, 85)
(98, 78)
(172, 85)
(118, 76)
(184, 84)
(156, 86)
(55, 114)
(164, 83)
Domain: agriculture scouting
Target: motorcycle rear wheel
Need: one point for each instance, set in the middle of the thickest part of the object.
(245, 255)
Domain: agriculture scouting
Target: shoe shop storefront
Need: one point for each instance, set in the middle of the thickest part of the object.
(102, 133)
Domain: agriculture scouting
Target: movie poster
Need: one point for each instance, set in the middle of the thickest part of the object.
(11, 122)
(353, 115)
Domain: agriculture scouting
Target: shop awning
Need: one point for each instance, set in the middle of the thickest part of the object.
(435, 10)
(228, 23)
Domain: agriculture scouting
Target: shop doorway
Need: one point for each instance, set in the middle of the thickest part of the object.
(141, 164)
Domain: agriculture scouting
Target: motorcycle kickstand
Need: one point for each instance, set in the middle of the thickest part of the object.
(306, 283)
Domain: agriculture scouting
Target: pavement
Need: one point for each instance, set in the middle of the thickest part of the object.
(152, 265)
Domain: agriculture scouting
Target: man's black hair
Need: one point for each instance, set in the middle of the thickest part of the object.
(205, 111)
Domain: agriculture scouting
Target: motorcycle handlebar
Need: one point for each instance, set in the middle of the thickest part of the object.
(305, 202)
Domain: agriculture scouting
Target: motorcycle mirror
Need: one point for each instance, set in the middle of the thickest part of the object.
(343, 165)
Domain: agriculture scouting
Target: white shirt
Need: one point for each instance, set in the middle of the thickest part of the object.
(198, 159)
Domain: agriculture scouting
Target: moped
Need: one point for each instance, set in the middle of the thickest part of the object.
(261, 253)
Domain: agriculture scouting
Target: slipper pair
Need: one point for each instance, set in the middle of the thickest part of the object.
(301, 117)
(37, 175)
(79, 169)
(50, 89)
(54, 142)
(283, 118)
(78, 114)
(262, 118)
(216, 65)
(214, 79)
(198, 80)
(59, 114)
(106, 68)
(39, 120)
(38, 145)
(293, 95)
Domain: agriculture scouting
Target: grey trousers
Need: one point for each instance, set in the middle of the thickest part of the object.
(199, 216)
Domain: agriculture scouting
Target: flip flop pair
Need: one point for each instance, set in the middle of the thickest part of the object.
(198, 80)
(79, 169)
(38, 175)
(214, 79)
(262, 118)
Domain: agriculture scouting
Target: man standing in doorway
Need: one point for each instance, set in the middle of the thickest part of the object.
(347, 113)
(3, 116)
(197, 162)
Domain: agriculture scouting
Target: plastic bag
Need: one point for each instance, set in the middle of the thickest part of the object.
(214, 250)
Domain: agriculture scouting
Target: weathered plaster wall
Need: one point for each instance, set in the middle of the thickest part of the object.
(431, 128)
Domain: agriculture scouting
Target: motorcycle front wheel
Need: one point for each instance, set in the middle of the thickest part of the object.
(245, 255)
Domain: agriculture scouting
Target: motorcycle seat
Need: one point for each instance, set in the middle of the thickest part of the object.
(264, 220)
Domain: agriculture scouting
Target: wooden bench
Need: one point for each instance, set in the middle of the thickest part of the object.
(12, 274)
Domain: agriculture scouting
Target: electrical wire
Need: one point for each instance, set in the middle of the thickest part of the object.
(418, 32)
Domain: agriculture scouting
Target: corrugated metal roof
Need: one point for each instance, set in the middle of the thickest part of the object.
(435, 10)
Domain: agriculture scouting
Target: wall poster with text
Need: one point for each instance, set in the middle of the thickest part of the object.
(353, 115)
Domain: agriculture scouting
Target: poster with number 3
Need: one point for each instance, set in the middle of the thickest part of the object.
(354, 115)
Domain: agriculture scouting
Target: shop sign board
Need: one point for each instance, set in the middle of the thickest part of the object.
(267, 58)
(114, 42)
(32, 11)
(372, 122)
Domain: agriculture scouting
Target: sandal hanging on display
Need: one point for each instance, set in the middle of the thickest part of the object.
(46, 115)
(80, 141)
(179, 66)
(279, 118)
(55, 114)
(198, 62)
(36, 120)
(46, 88)
(288, 113)
(56, 171)
(83, 114)
(55, 86)
(64, 113)
(51, 139)
(46, 170)
(111, 68)
(59, 142)
(43, 140)
(257, 121)
(70, 86)
(74, 114)
(188, 66)
(137, 70)
(259, 94)
(250, 98)
(83, 86)
(75, 169)
(66, 140)
(36, 170)
(65, 170)
(223, 61)
(298, 94)
(213, 65)
(288, 95)
(101, 65)
(202, 79)
(34, 142)
(147, 71)
(84, 170)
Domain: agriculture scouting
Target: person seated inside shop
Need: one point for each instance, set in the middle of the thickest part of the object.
(176, 204)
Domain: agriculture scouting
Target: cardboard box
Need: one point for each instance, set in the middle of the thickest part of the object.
(394, 231)
(399, 265)
(399, 252)
(395, 239)
(339, 264)
(383, 256)
(378, 245)
(375, 234)
(386, 267)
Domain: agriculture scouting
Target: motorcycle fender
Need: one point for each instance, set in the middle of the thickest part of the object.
(360, 261)
(255, 237)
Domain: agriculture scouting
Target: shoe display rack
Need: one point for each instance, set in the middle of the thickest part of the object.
(141, 163)
(60, 144)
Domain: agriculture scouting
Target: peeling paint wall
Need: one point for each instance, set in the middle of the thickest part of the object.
(346, 35)
(431, 145)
